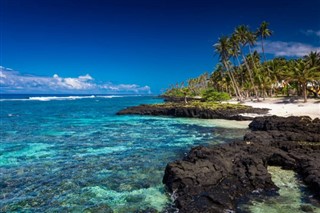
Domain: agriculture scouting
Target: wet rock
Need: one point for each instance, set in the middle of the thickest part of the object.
(292, 124)
(180, 110)
(214, 179)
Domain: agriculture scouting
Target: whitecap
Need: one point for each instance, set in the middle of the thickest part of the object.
(50, 98)
(14, 99)
(110, 96)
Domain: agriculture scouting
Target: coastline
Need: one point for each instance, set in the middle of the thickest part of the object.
(283, 123)
(215, 179)
(196, 109)
(285, 107)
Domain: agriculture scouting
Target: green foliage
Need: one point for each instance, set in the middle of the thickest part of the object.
(243, 74)
(212, 95)
(174, 92)
(203, 105)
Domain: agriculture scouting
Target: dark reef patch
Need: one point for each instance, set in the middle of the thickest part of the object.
(195, 110)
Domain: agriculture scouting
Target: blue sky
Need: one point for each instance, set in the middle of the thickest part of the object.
(135, 46)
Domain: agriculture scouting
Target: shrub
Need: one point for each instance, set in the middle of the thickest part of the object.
(211, 95)
(178, 92)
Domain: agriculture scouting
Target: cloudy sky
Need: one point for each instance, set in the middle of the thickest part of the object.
(12, 81)
(135, 46)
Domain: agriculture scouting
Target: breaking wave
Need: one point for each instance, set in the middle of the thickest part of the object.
(50, 98)
(61, 98)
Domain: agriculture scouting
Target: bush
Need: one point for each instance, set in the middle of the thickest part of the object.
(211, 95)
(174, 92)
(178, 92)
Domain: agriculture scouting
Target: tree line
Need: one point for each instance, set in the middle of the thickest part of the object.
(245, 74)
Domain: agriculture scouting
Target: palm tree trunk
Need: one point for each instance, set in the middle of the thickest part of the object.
(250, 75)
(262, 46)
(264, 92)
(236, 84)
(235, 87)
(304, 91)
(239, 64)
(252, 59)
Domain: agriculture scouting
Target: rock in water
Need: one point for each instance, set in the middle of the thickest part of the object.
(222, 111)
(214, 179)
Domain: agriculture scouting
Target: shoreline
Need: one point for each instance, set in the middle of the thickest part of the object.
(285, 107)
(283, 133)
(229, 110)
(215, 179)
(202, 110)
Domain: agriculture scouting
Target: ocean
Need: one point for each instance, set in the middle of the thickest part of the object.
(74, 154)
(67, 153)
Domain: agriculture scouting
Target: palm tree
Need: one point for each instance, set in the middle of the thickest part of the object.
(263, 32)
(252, 39)
(235, 48)
(218, 80)
(263, 80)
(242, 33)
(276, 69)
(313, 59)
(223, 48)
(303, 73)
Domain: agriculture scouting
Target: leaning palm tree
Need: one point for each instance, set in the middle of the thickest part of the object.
(222, 47)
(263, 32)
(242, 33)
(252, 40)
(235, 48)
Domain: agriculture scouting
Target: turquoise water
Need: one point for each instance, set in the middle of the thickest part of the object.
(73, 154)
(293, 196)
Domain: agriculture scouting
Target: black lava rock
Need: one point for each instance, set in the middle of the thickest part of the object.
(214, 179)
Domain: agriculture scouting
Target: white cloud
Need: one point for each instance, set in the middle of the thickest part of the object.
(2, 75)
(13, 81)
(291, 49)
(126, 87)
(311, 32)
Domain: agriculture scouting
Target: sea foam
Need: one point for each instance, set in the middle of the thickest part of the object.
(110, 96)
(60, 98)
(50, 98)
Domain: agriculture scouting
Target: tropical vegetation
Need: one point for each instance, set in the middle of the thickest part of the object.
(245, 74)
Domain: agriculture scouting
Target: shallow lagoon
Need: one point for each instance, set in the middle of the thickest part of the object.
(76, 155)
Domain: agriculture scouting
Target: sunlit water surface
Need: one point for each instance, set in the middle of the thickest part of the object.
(73, 154)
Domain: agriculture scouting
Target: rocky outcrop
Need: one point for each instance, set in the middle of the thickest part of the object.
(214, 179)
(181, 110)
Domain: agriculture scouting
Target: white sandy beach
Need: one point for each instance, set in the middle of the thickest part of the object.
(285, 107)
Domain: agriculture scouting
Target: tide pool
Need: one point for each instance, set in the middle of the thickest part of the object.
(292, 197)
